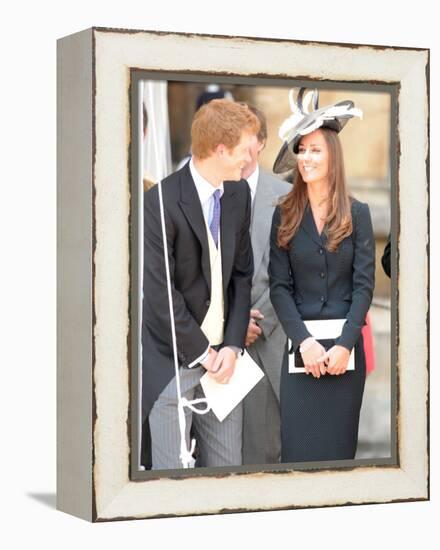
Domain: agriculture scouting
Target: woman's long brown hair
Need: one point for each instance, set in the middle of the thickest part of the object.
(338, 223)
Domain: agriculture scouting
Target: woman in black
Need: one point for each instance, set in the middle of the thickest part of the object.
(322, 267)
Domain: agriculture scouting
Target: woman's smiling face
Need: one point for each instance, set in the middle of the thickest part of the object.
(313, 157)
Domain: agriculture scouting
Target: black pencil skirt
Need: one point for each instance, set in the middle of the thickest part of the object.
(320, 416)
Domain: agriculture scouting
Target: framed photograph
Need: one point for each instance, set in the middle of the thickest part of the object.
(126, 102)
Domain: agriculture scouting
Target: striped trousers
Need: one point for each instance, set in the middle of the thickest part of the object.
(218, 443)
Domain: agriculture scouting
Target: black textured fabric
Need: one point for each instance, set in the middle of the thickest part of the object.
(320, 416)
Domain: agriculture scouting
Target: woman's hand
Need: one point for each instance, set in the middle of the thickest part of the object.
(313, 359)
(336, 360)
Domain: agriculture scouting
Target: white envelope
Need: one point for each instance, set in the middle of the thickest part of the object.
(222, 398)
(321, 330)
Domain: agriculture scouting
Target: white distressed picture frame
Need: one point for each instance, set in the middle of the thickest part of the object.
(94, 217)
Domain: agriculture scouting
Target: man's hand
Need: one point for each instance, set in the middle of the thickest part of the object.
(208, 362)
(253, 331)
(224, 365)
(336, 360)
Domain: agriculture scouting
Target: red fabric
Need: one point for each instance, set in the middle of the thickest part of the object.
(370, 357)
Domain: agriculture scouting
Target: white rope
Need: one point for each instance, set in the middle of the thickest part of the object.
(185, 453)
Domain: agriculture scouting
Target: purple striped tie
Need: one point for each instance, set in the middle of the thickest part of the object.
(215, 222)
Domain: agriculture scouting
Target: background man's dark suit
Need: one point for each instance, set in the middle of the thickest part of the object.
(191, 278)
(386, 257)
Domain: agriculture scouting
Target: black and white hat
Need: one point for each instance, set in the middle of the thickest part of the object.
(302, 122)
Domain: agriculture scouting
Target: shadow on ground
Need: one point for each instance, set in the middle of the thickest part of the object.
(48, 499)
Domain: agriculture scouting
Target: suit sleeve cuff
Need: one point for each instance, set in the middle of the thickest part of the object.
(348, 338)
(199, 359)
(300, 333)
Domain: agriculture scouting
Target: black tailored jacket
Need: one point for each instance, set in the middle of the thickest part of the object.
(189, 262)
(307, 282)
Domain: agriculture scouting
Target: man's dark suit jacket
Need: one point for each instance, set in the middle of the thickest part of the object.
(386, 257)
(189, 261)
(307, 282)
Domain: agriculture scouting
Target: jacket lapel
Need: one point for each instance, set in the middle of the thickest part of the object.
(262, 210)
(192, 209)
(308, 225)
(227, 230)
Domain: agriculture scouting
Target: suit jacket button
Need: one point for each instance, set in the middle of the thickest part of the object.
(321, 251)
(208, 302)
(322, 298)
(322, 275)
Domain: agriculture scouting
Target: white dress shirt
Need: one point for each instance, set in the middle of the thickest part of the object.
(253, 181)
(206, 190)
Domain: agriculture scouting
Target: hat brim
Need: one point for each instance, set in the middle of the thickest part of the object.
(285, 161)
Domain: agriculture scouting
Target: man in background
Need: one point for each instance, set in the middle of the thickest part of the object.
(265, 339)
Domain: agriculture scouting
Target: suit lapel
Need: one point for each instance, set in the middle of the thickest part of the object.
(227, 230)
(262, 210)
(192, 209)
(308, 225)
